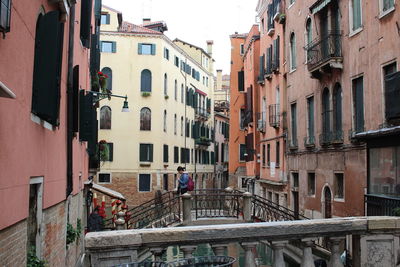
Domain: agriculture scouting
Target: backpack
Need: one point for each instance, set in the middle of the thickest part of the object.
(190, 184)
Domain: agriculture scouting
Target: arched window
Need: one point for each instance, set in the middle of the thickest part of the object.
(325, 112)
(165, 121)
(105, 117)
(107, 71)
(182, 94)
(165, 84)
(145, 119)
(181, 126)
(337, 109)
(308, 36)
(175, 122)
(145, 81)
(176, 90)
(292, 51)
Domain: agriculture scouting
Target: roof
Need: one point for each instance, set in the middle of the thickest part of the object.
(191, 45)
(130, 27)
(112, 9)
(238, 35)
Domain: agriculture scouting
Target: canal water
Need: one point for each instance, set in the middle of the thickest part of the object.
(263, 254)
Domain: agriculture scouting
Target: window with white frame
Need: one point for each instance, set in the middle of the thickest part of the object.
(386, 5)
(293, 51)
(144, 182)
(356, 15)
(104, 178)
(339, 185)
(165, 121)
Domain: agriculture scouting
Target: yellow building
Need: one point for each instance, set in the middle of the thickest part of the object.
(170, 123)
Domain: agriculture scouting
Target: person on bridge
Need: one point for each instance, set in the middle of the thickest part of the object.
(182, 180)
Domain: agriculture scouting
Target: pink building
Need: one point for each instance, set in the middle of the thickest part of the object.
(43, 159)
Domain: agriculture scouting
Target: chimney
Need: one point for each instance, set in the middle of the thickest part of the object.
(209, 47)
(146, 20)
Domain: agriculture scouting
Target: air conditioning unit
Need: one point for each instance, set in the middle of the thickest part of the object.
(261, 125)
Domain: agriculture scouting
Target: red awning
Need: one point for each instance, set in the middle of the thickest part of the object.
(200, 92)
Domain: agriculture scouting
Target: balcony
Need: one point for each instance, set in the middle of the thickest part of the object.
(325, 54)
(309, 142)
(293, 145)
(202, 113)
(337, 137)
(325, 139)
(274, 115)
(379, 205)
(203, 141)
(261, 124)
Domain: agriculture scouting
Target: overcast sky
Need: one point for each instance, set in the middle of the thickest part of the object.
(195, 21)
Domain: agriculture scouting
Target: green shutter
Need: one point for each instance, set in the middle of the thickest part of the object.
(86, 116)
(153, 49)
(114, 47)
(75, 99)
(110, 151)
(86, 21)
(150, 152)
(108, 19)
(139, 49)
(142, 152)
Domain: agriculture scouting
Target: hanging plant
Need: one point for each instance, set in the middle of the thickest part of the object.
(103, 150)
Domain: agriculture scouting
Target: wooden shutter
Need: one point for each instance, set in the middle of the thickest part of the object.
(139, 49)
(114, 47)
(311, 117)
(277, 59)
(110, 151)
(359, 98)
(150, 152)
(153, 49)
(216, 148)
(250, 147)
(75, 99)
(241, 81)
(47, 68)
(165, 153)
(86, 111)
(86, 21)
(95, 56)
(392, 96)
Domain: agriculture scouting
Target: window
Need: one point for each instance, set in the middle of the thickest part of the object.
(292, 51)
(146, 153)
(311, 183)
(144, 182)
(165, 153)
(165, 84)
(166, 53)
(263, 155)
(310, 117)
(108, 47)
(308, 36)
(5, 13)
(293, 114)
(182, 94)
(107, 71)
(176, 61)
(337, 109)
(277, 153)
(242, 118)
(176, 154)
(326, 126)
(105, 19)
(165, 121)
(47, 67)
(356, 21)
(176, 90)
(339, 185)
(358, 104)
(175, 124)
(242, 151)
(295, 179)
(291, 2)
(145, 81)
(105, 118)
(146, 49)
(216, 149)
(109, 152)
(165, 181)
(241, 49)
(145, 119)
(386, 5)
(391, 82)
(182, 126)
(268, 155)
(104, 178)
(85, 22)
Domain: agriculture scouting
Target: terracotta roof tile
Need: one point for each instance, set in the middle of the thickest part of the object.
(130, 27)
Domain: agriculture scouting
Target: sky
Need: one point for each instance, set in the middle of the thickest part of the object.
(195, 21)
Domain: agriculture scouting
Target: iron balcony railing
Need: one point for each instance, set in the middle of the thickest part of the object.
(323, 49)
(379, 205)
(274, 115)
(203, 141)
(202, 112)
(261, 121)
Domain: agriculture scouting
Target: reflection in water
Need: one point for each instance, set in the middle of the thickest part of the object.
(262, 253)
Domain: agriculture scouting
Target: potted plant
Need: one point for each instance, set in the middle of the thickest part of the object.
(282, 18)
(166, 96)
(146, 94)
(103, 150)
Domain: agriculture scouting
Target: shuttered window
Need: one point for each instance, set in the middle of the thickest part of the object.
(325, 112)
(86, 22)
(337, 108)
(250, 147)
(357, 21)
(146, 152)
(47, 67)
(165, 153)
(105, 19)
(216, 149)
(88, 125)
(277, 153)
(176, 154)
(241, 81)
(145, 81)
(358, 103)
(108, 47)
(95, 56)
(293, 63)
(146, 49)
(144, 182)
(110, 151)
(310, 115)
(242, 151)
(293, 113)
(75, 99)
(5, 15)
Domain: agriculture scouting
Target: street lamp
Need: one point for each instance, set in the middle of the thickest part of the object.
(100, 96)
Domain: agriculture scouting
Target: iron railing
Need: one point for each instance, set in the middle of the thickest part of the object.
(158, 212)
(274, 115)
(202, 112)
(323, 49)
(379, 205)
(325, 138)
(268, 211)
(210, 203)
(337, 137)
(261, 121)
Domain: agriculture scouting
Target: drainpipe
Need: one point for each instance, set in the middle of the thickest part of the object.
(70, 134)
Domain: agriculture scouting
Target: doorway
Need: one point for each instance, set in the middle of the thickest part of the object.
(328, 202)
(34, 220)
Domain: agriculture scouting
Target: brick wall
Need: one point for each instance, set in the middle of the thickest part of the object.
(13, 245)
(76, 210)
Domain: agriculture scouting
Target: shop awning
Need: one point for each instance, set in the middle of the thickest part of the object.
(107, 191)
(319, 5)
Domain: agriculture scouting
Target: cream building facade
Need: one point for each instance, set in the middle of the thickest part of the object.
(170, 123)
